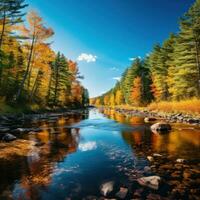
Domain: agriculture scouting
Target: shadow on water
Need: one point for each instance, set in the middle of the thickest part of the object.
(75, 154)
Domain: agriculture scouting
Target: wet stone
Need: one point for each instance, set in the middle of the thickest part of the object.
(122, 193)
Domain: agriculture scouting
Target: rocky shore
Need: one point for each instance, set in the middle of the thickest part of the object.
(12, 126)
(168, 117)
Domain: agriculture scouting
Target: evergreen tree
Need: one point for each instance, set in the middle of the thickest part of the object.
(10, 14)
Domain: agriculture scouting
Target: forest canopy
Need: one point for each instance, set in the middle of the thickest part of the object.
(31, 72)
(171, 72)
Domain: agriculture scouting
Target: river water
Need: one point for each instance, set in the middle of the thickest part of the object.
(85, 156)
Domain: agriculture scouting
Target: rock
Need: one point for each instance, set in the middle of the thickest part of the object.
(153, 197)
(147, 169)
(180, 160)
(150, 181)
(8, 137)
(157, 155)
(192, 121)
(149, 119)
(150, 158)
(137, 194)
(4, 130)
(160, 127)
(106, 188)
(122, 193)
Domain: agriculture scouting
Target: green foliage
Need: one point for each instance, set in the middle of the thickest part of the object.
(170, 72)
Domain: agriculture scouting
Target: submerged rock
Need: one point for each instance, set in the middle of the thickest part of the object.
(8, 137)
(122, 193)
(150, 181)
(149, 119)
(4, 129)
(161, 127)
(180, 160)
(150, 158)
(157, 155)
(106, 188)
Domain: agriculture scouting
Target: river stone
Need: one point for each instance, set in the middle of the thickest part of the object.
(106, 188)
(150, 181)
(150, 158)
(122, 193)
(153, 197)
(180, 160)
(4, 130)
(8, 137)
(149, 119)
(160, 127)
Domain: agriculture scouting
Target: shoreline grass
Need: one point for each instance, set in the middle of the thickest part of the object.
(187, 107)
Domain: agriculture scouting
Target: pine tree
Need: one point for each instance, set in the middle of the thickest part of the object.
(10, 14)
(186, 78)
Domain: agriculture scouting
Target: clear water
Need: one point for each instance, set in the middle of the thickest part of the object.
(80, 153)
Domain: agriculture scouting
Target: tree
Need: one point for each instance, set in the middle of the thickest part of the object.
(119, 99)
(185, 82)
(36, 33)
(10, 14)
(136, 92)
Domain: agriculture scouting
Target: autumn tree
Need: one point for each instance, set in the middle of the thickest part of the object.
(136, 92)
(36, 33)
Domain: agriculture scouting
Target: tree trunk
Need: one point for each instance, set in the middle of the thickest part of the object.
(27, 69)
(49, 90)
(3, 29)
(30, 71)
(198, 64)
(34, 86)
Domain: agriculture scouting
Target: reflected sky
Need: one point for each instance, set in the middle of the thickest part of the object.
(78, 153)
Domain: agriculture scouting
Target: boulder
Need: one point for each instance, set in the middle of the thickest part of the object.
(106, 188)
(8, 137)
(122, 193)
(161, 127)
(150, 181)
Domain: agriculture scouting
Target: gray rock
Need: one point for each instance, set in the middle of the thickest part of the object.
(150, 181)
(122, 193)
(4, 129)
(8, 137)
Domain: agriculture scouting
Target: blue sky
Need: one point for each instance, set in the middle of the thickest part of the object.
(102, 35)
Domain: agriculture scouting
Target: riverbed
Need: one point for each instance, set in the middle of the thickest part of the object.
(101, 155)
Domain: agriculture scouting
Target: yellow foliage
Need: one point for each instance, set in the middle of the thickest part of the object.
(191, 106)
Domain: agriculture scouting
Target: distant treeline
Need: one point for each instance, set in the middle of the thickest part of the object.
(30, 71)
(170, 72)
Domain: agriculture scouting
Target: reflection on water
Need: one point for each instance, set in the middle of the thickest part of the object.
(183, 140)
(76, 154)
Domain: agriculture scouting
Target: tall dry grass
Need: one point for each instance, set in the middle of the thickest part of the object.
(191, 106)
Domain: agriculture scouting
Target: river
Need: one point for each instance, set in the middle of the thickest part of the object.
(92, 156)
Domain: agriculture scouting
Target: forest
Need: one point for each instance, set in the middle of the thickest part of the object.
(169, 73)
(32, 75)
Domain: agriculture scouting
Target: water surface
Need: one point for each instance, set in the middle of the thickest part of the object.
(79, 153)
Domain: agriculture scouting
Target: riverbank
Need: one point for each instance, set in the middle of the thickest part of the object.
(172, 116)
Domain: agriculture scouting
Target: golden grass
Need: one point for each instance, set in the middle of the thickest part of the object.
(191, 106)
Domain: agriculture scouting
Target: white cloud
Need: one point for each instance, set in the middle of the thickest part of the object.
(87, 57)
(132, 59)
(88, 146)
(118, 78)
(114, 69)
